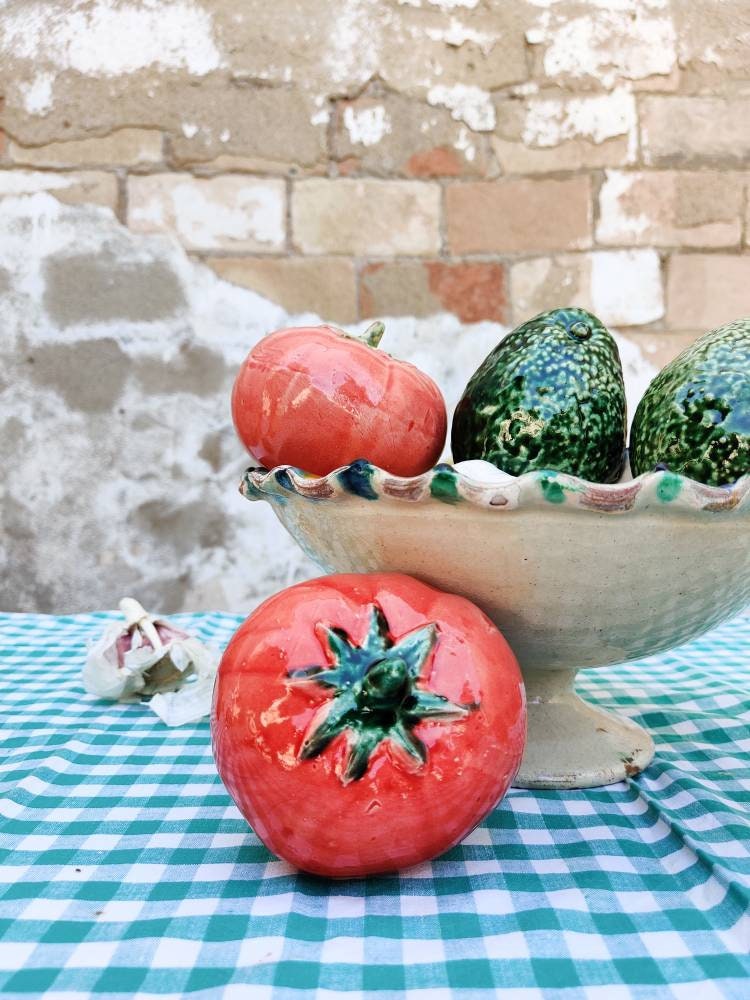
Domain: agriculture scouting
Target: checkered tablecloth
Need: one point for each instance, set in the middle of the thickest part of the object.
(127, 870)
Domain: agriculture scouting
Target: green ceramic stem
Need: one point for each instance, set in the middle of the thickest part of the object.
(377, 694)
(374, 334)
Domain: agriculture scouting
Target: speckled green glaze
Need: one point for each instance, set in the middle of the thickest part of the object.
(695, 415)
(550, 396)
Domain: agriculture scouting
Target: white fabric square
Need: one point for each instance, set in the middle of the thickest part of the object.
(349, 950)
(38, 842)
(175, 953)
(422, 951)
(121, 910)
(419, 906)
(586, 946)
(346, 906)
(537, 837)
(196, 907)
(45, 909)
(260, 950)
(143, 874)
(101, 842)
(14, 954)
(503, 946)
(665, 944)
(493, 901)
(271, 905)
(92, 955)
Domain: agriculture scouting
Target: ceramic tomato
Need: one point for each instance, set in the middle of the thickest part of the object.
(365, 723)
(316, 398)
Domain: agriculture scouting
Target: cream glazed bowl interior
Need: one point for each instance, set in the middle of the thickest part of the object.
(575, 574)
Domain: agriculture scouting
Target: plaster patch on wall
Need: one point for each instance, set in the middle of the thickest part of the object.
(443, 4)
(464, 145)
(628, 40)
(16, 182)
(615, 220)
(626, 286)
(625, 5)
(220, 213)
(466, 103)
(110, 38)
(457, 34)
(550, 121)
(37, 94)
(367, 126)
(354, 42)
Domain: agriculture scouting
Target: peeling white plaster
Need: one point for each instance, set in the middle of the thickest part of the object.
(443, 4)
(225, 135)
(616, 223)
(550, 121)
(37, 95)
(626, 287)
(468, 104)
(464, 145)
(367, 126)
(354, 43)
(18, 182)
(629, 39)
(111, 38)
(190, 130)
(321, 117)
(452, 4)
(256, 212)
(457, 34)
(625, 5)
(212, 215)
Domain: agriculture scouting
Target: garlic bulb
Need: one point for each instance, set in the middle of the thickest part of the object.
(147, 655)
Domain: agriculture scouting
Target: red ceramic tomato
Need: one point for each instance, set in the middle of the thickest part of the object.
(365, 723)
(316, 398)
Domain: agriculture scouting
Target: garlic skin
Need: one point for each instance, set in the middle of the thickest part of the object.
(149, 656)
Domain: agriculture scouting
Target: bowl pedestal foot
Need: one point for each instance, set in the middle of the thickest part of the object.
(570, 743)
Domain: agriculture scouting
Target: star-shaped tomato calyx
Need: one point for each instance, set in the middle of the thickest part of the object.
(378, 694)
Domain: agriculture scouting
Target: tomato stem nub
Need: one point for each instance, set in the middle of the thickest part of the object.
(374, 334)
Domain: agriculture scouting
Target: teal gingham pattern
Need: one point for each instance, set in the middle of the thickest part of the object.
(127, 871)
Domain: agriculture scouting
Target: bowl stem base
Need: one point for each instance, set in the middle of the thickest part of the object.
(570, 743)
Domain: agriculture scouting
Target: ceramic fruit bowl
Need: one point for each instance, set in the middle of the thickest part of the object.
(575, 574)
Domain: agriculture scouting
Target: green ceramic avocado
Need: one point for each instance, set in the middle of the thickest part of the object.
(695, 415)
(550, 396)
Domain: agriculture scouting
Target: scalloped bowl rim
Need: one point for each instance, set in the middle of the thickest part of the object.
(549, 489)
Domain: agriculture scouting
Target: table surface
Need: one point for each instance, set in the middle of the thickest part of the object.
(127, 870)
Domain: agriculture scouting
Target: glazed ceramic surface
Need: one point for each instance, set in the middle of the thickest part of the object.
(575, 575)
(695, 415)
(549, 396)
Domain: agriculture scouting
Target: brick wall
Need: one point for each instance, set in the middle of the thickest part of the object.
(358, 158)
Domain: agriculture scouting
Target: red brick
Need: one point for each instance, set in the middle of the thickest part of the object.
(473, 291)
(442, 161)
